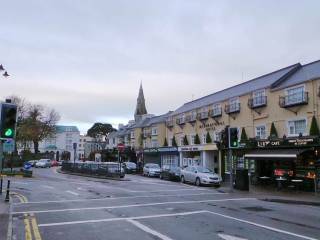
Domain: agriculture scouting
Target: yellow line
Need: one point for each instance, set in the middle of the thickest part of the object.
(35, 228)
(27, 229)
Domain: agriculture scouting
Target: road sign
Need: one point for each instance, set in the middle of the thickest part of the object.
(120, 147)
(8, 146)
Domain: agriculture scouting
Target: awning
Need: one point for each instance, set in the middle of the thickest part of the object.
(274, 154)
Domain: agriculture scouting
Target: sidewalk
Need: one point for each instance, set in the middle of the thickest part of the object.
(4, 217)
(282, 196)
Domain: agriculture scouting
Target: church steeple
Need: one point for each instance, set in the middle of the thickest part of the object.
(141, 105)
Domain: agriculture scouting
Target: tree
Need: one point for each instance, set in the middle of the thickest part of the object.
(208, 138)
(314, 129)
(197, 139)
(174, 142)
(100, 129)
(243, 136)
(165, 144)
(273, 131)
(185, 140)
(39, 123)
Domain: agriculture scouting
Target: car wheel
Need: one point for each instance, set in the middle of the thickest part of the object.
(198, 182)
(182, 179)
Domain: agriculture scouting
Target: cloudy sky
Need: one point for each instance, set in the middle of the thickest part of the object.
(87, 58)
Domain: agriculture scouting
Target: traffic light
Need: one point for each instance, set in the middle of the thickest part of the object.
(8, 120)
(233, 138)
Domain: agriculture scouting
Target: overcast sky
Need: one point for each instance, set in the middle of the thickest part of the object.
(86, 58)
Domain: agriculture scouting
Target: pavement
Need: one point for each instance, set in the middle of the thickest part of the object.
(4, 216)
(59, 206)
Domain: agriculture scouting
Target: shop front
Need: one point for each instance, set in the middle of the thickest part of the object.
(290, 163)
(203, 155)
(169, 156)
(151, 155)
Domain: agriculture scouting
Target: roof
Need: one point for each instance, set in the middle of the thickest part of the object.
(62, 129)
(281, 78)
(154, 120)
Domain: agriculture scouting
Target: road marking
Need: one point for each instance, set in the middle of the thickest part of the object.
(135, 205)
(262, 226)
(169, 190)
(230, 237)
(27, 228)
(35, 228)
(120, 219)
(80, 188)
(149, 230)
(73, 193)
(125, 197)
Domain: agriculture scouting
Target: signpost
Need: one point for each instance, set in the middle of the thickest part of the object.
(121, 148)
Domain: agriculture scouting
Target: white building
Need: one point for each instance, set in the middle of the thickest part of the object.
(82, 146)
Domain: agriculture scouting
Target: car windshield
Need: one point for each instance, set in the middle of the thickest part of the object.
(203, 170)
(153, 166)
(131, 164)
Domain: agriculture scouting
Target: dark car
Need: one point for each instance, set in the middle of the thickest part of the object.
(130, 167)
(170, 172)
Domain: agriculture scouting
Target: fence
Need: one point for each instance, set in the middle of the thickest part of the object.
(99, 169)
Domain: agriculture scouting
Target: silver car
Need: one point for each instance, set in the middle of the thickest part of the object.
(151, 170)
(200, 176)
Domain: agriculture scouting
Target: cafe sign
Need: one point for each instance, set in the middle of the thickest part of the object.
(301, 142)
(286, 142)
(190, 149)
(268, 143)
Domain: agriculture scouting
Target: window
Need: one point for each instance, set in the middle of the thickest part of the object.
(261, 132)
(234, 104)
(216, 110)
(132, 134)
(155, 143)
(297, 127)
(295, 95)
(217, 137)
(181, 141)
(154, 131)
(204, 138)
(144, 144)
(258, 97)
(193, 138)
(113, 140)
(79, 145)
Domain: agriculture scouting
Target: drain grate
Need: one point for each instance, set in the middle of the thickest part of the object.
(257, 209)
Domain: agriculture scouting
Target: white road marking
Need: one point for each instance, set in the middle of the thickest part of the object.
(262, 226)
(230, 237)
(135, 205)
(149, 230)
(80, 188)
(45, 186)
(73, 193)
(171, 190)
(114, 198)
(120, 219)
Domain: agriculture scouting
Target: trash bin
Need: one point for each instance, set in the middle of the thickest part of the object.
(242, 180)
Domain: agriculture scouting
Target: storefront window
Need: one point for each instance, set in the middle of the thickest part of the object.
(204, 138)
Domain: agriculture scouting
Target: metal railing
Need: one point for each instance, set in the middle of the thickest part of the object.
(256, 102)
(203, 115)
(99, 169)
(191, 118)
(180, 121)
(216, 112)
(294, 99)
(232, 108)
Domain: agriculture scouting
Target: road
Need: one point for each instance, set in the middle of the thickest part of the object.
(54, 206)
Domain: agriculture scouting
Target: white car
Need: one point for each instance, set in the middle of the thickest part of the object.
(200, 176)
(43, 163)
(151, 170)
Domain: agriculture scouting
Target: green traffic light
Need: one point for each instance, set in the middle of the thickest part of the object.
(8, 132)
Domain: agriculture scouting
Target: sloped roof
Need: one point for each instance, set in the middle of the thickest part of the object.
(154, 120)
(267, 80)
(305, 73)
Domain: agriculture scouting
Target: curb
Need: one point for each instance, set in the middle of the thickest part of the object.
(92, 176)
(290, 201)
(10, 230)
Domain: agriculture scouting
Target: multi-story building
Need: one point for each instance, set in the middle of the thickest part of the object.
(287, 99)
(82, 151)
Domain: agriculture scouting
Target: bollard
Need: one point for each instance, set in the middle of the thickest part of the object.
(8, 192)
(1, 181)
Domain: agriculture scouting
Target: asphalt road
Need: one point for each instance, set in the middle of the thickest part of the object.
(54, 206)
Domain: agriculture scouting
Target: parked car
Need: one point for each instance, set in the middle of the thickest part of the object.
(43, 163)
(151, 170)
(200, 176)
(170, 172)
(130, 167)
(33, 162)
(113, 168)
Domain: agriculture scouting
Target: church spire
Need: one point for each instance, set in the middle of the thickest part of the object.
(141, 105)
